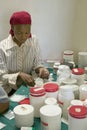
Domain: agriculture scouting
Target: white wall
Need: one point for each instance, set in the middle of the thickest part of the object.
(55, 22)
(79, 40)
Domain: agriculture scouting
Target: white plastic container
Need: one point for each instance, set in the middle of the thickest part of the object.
(64, 98)
(77, 118)
(50, 117)
(37, 98)
(78, 74)
(83, 92)
(68, 55)
(24, 115)
(51, 89)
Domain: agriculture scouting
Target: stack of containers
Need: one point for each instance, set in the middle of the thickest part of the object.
(37, 98)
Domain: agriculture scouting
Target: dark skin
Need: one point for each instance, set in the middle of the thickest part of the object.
(21, 34)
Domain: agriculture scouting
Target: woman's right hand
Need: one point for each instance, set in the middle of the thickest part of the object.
(25, 78)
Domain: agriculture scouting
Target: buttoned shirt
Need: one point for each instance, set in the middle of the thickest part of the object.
(15, 59)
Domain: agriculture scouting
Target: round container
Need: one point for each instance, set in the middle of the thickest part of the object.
(78, 74)
(50, 117)
(51, 89)
(68, 55)
(83, 92)
(64, 98)
(37, 97)
(24, 115)
(77, 118)
(50, 101)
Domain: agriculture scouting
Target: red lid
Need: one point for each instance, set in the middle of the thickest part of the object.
(78, 111)
(78, 71)
(51, 87)
(25, 101)
(37, 91)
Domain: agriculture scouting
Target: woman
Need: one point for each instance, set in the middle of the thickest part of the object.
(20, 53)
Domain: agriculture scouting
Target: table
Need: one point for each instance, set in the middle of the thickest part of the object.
(10, 124)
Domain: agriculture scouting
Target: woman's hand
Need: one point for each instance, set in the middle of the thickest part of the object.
(43, 73)
(24, 78)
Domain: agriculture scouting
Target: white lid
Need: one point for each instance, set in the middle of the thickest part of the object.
(57, 63)
(69, 81)
(76, 102)
(82, 53)
(50, 101)
(50, 110)
(68, 52)
(23, 109)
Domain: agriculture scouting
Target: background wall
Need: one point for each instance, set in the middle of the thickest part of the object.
(58, 24)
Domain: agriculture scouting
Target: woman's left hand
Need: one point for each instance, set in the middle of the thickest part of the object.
(43, 73)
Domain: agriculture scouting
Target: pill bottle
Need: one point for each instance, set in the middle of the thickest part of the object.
(77, 117)
(50, 116)
(37, 97)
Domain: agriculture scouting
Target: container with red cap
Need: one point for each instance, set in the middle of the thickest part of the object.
(51, 89)
(68, 55)
(37, 97)
(78, 74)
(77, 117)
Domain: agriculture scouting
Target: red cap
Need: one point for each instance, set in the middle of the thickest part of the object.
(78, 71)
(37, 91)
(25, 101)
(51, 87)
(78, 111)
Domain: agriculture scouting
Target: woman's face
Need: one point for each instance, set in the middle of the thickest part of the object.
(21, 33)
